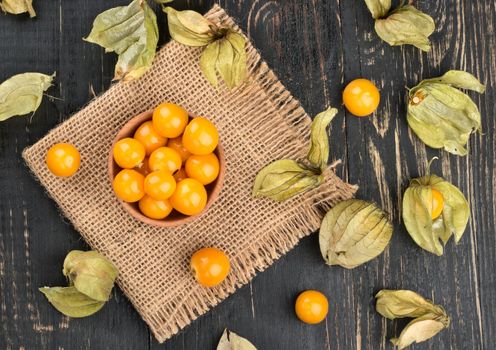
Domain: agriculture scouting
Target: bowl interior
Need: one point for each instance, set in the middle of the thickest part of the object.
(175, 218)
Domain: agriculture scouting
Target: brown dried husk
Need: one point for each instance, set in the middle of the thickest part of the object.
(258, 122)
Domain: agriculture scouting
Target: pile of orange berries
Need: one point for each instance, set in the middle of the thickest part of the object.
(168, 163)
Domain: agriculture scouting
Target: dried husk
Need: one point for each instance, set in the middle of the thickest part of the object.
(394, 304)
(232, 341)
(225, 61)
(406, 26)
(226, 57)
(132, 33)
(378, 8)
(429, 319)
(430, 234)
(208, 62)
(239, 59)
(90, 273)
(420, 329)
(441, 115)
(283, 179)
(224, 53)
(71, 302)
(17, 7)
(22, 93)
(319, 142)
(190, 28)
(286, 178)
(354, 232)
(459, 79)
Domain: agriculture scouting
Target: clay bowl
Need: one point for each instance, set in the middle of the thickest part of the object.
(175, 218)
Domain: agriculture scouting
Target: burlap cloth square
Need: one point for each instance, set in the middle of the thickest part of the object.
(258, 123)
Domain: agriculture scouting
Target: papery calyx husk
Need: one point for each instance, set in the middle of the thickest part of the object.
(227, 58)
(190, 27)
(232, 341)
(71, 302)
(406, 26)
(431, 234)
(90, 273)
(225, 50)
(378, 8)
(443, 116)
(428, 318)
(420, 329)
(131, 32)
(230, 63)
(283, 179)
(22, 93)
(286, 178)
(17, 7)
(319, 142)
(353, 232)
(394, 304)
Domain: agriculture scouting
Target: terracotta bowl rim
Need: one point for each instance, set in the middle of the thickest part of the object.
(213, 189)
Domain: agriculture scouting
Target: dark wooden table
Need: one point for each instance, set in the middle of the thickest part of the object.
(315, 47)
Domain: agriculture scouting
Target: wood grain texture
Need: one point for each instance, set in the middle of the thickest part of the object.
(315, 47)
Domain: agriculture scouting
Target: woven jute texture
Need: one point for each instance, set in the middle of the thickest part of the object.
(258, 123)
